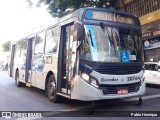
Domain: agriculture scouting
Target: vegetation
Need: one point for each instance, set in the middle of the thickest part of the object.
(59, 8)
(6, 46)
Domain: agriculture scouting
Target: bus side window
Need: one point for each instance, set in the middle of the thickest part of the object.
(23, 53)
(39, 43)
(52, 40)
(38, 63)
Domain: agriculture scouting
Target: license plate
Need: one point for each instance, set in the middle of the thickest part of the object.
(122, 91)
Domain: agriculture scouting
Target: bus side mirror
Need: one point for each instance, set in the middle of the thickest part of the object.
(78, 32)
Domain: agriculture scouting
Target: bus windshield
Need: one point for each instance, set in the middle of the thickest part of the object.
(110, 44)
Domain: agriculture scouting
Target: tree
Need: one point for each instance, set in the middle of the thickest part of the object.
(59, 8)
(6, 46)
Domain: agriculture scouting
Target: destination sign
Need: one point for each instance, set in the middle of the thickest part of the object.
(110, 16)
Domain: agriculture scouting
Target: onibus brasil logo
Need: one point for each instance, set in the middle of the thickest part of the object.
(9, 115)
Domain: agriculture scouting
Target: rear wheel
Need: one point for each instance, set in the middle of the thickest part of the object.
(52, 90)
(18, 83)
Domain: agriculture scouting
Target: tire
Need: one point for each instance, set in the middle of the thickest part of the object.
(52, 90)
(18, 83)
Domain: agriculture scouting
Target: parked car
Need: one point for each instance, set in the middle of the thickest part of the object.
(152, 72)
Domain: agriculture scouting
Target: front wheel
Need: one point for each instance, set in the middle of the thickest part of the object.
(52, 90)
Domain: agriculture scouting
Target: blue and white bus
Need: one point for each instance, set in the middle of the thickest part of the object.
(90, 54)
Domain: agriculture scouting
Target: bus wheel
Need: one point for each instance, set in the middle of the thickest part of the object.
(18, 83)
(51, 90)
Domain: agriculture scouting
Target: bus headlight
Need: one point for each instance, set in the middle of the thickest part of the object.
(85, 77)
(89, 79)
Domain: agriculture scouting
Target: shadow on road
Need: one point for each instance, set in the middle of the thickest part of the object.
(153, 86)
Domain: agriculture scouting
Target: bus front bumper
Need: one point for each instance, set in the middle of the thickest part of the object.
(87, 92)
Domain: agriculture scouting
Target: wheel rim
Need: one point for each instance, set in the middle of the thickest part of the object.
(51, 90)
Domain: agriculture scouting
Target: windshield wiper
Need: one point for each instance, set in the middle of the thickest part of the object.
(105, 29)
(89, 34)
(116, 33)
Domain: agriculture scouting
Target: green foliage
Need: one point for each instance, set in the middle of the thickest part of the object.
(29, 3)
(59, 8)
(6, 46)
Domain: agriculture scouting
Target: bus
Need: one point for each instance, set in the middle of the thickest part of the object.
(91, 54)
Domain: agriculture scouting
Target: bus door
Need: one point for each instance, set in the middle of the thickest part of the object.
(29, 60)
(68, 57)
(11, 62)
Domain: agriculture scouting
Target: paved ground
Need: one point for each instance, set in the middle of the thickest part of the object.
(23, 99)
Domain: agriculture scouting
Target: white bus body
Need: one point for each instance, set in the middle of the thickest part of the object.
(53, 59)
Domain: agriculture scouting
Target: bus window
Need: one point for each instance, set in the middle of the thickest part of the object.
(100, 46)
(17, 52)
(130, 45)
(110, 44)
(38, 63)
(52, 40)
(18, 49)
(23, 53)
(39, 43)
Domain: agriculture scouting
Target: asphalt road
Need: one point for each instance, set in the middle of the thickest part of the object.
(24, 99)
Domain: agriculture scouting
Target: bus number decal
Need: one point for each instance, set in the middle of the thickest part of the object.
(133, 78)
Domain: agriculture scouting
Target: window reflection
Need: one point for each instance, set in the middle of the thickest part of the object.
(97, 46)
(39, 43)
(111, 44)
(21, 52)
(52, 40)
(38, 63)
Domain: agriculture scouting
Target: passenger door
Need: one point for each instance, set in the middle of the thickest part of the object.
(29, 60)
(67, 59)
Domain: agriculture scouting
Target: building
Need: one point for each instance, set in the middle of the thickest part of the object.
(149, 13)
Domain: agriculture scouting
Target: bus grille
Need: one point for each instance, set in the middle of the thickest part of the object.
(119, 70)
(112, 89)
